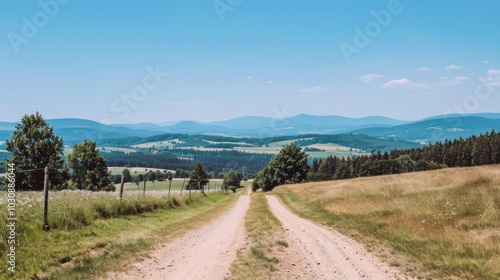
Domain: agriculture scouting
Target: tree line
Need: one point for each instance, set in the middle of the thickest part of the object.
(214, 161)
(290, 164)
(198, 177)
(472, 151)
(35, 146)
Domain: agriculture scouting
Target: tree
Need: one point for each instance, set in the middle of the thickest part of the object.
(179, 173)
(232, 178)
(88, 168)
(197, 177)
(287, 167)
(481, 153)
(152, 177)
(126, 174)
(342, 171)
(405, 164)
(137, 180)
(160, 176)
(34, 146)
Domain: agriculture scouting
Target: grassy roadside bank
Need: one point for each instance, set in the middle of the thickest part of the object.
(257, 260)
(441, 224)
(85, 249)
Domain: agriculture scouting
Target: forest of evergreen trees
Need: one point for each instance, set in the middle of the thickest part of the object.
(213, 161)
(473, 151)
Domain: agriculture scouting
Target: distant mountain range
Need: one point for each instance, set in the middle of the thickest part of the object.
(436, 128)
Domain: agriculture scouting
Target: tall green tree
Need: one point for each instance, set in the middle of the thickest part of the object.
(262, 180)
(152, 176)
(342, 171)
(126, 174)
(197, 177)
(232, 178)
(138, 179)
(89, 169)
(287, 167)
(405, 164)
(159, 175)
(34, 145)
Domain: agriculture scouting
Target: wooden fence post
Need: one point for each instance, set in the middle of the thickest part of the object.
(169, 185)
(46, 199)
(183, 185)
(122, 185)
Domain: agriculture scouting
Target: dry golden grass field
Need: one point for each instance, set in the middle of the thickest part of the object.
(441, 224)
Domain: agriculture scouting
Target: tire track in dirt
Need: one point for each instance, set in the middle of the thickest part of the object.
(204, 253)
(327, 254)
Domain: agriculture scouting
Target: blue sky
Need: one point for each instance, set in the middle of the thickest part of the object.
(160, 61)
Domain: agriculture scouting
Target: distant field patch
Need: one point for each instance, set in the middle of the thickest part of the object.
(228, 142)
(159, 144)
(334, 147)
(116, 149)
(326, 150)
(135, 170)
(203, 149)
(287, 142)
(263, 150)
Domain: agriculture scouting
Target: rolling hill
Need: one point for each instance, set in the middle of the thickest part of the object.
(436, 128)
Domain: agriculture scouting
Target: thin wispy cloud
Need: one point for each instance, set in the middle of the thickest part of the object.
(486, 61)
(404, 84)
(493, 77)
(248, 78)
(453, 67)
(423, 69)
(446, 81)
(317, 89)
(370, 77)
(186, 103)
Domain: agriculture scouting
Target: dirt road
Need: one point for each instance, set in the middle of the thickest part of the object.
(327, 254)
(314, 252)
(205, 253)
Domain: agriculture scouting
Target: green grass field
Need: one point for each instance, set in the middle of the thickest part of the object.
(91, 233)
(163, 185)
(177, 184)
